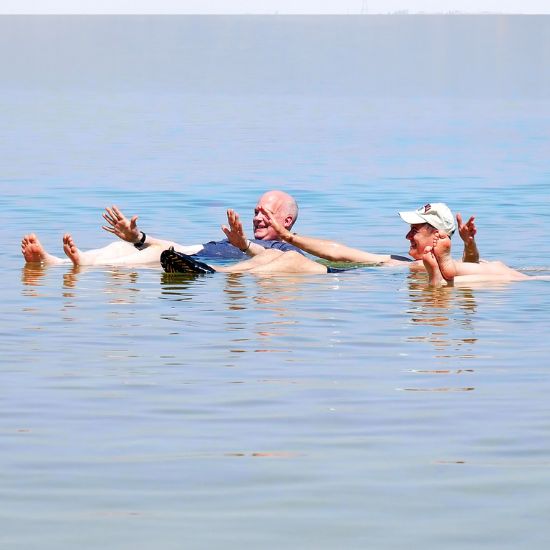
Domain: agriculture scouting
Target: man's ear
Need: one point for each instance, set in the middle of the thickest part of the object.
(288, 222)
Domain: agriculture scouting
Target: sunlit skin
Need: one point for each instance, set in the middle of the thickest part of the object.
(274, 202)
(429, 260)
(442, 252)
(126, 229)
(70, 249)
(34, 252)
(420, 236)
(430, 247)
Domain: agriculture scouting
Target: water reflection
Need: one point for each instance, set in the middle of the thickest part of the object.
(276, 295)
(448, 311)
(70, 279)
(235, 292)
(118, 288)
(32, 275)
(178, 286)
(122, 286)
(444, 318)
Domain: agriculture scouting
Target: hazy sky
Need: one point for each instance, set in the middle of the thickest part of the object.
(370, 56)
(273, 6)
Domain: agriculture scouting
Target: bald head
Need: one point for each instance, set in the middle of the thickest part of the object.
(283, 206)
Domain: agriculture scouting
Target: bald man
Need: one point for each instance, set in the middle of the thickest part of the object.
(140, 249)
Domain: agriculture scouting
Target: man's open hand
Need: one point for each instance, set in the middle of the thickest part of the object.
(120, 225)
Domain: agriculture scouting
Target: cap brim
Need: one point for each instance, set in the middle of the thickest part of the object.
(411, 217)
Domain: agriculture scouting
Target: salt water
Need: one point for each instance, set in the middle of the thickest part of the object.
(355, 410)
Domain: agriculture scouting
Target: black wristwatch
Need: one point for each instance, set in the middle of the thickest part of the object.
(141, 243)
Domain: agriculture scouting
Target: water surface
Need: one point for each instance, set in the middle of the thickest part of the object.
(355, 410)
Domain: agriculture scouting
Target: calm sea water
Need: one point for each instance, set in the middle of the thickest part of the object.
(359, 410)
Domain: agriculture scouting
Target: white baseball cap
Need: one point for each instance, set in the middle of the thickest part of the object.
(436, 214)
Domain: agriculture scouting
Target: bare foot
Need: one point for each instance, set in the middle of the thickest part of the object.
(430, 263)
(442, 252)
(73, 253)
(34, 252)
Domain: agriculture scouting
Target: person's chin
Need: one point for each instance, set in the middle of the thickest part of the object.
(261, 235)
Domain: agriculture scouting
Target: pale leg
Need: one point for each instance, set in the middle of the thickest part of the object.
(96, 257)
(122, 253)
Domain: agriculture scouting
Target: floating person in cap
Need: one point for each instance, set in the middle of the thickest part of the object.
(443, 270)
(430, 229)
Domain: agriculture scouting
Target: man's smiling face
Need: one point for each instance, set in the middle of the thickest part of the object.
(273, 202)
(420, 236)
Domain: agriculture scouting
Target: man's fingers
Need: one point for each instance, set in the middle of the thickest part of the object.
(133, 222)
(112, 212)
(109, 220)
(235, 223)
(109, 229)
(459, 219)
(108, 215)
(117, 212)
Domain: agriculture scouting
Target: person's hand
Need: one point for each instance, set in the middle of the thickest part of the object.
(468, 230)
(270, 219)
(235, 232)
(120, 225)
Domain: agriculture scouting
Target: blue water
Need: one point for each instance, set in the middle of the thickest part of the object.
(358, 410)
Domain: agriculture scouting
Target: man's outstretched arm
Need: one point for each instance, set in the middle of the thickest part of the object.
(127, 230)
(329, 250)
(467, 232)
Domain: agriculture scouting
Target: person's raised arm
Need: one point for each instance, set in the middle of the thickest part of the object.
(236, 236)
(329, 250)
(127, 230)
(467, 232)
